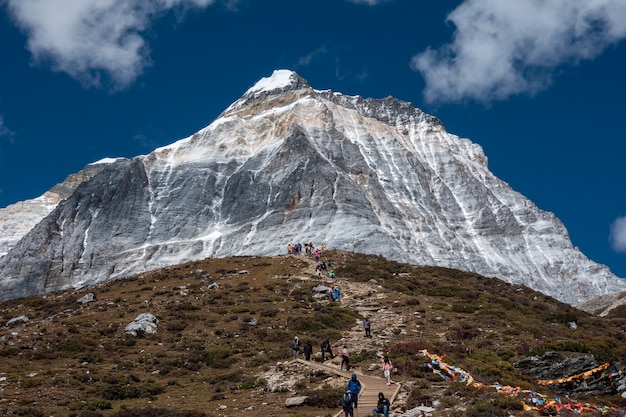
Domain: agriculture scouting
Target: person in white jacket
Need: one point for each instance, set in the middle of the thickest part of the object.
(387, 367)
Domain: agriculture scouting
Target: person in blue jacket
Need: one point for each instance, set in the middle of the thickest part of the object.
(354, 386)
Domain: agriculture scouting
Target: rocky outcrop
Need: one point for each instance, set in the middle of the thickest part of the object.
(286, 163)
(575, 376)
(145, 323)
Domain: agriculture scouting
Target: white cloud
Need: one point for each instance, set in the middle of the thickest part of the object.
(502, 48)
(306, 60)
(91, 38)
(618, 235)
(5, 132)
(369, 2)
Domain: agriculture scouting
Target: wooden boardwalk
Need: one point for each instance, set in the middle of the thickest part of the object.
(371, 386)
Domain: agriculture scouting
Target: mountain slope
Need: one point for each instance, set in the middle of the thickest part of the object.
(286, 163)
(18, 219)
(225, 328)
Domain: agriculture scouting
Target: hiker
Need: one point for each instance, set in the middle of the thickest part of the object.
(336, 293)
(331, 289)
(331, 274)
(295, 347)
(367, 325)
(382, 407)
(387, 367)
(354, 386)
(308, 349)
(326, 350)
(346, 404)
(345, 358)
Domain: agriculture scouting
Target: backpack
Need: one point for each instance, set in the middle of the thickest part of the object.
(346, 400)
(296, 345)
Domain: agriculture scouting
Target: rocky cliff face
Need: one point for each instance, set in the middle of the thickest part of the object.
(286, 163)
(18, 219)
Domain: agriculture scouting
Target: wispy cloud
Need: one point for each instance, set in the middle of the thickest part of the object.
(618, 235)
(502, 48)
(92, 40)
(5, 132)
(306, 60)
(369, 2)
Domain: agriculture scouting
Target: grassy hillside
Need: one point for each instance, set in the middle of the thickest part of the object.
(214, 346)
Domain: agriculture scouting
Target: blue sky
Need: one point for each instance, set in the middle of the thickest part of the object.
(540, 84)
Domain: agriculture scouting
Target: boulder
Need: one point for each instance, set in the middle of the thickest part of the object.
(296, 401)
(144, 323)
(16, 320)
(87, 298)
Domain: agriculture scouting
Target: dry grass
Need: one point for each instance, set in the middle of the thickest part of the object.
(75, 360)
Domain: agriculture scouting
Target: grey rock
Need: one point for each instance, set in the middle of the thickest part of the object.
(16, 320)
(145, 323)
(296, 401)
(87, 298)
(552, 366)
(320, 289)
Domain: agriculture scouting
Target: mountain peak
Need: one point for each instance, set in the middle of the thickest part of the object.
(282, 80)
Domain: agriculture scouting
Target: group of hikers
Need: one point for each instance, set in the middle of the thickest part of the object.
(307, 349)
(309, 248)
(350, 399)
(321, 267)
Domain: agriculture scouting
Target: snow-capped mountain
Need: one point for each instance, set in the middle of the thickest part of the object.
(286, 163)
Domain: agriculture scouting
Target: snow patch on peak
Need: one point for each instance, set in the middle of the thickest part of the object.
(107, 161)
(278, 79)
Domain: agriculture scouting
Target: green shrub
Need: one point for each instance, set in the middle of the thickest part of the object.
(442, 291)
(462, 309)
(324, 398)
(31, 383)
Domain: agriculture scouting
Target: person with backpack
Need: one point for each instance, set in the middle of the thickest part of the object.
(295, 348)
(382, 407)
(354, 387)
(308, 349)
(387, 367)
(336, 293)
(367, 326)
(326, 349)
(346, 404)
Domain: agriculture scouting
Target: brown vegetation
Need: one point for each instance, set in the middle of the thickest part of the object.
(213, 344)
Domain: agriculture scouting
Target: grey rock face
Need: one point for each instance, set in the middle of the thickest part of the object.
(18, 219)
(286, 164)
(551, 366)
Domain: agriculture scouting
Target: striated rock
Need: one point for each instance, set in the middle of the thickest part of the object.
(575, 375)
(18, 219)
